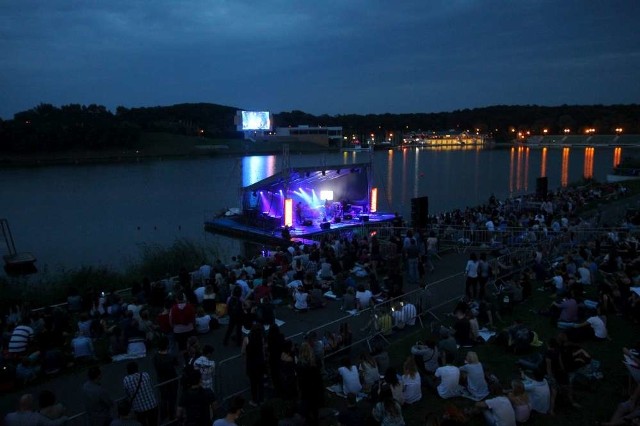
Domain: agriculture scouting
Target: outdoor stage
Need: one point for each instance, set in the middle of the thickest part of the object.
(261, 232)
(314, 201)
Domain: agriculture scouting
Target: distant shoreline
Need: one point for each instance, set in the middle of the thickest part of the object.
(150, 153)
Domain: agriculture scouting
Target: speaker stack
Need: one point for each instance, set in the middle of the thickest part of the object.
(542, 187)
(420, 212)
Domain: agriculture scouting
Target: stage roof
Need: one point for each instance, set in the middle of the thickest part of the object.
(311, 176)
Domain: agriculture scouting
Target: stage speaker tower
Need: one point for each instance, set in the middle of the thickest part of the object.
(420, 212)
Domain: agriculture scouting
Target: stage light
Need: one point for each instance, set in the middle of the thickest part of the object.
(374, 200)
(288, 212)
(326, 195)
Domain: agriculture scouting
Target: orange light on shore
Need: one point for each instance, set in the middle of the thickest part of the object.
(288, 212)
(374, 200)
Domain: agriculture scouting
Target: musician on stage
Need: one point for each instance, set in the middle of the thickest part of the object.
(299, 215)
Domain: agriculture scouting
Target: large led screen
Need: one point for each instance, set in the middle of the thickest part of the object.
(256, 120)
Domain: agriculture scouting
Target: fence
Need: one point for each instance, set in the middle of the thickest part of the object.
(407, 312)
(167, 395)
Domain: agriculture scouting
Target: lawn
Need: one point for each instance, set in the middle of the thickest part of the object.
(598, 401)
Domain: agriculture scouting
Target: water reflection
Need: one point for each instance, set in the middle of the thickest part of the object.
(390, 177)
(405, 173)
(256, 168)
(543, 163)
(564, 174)
(588, 162)
(511, 167)
(526, 169)
(519, 169)
(617, 156)
(416, 177)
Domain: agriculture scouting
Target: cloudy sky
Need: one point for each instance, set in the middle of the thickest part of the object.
(323, 56)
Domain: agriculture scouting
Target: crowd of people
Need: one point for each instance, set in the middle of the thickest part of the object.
(167, 316)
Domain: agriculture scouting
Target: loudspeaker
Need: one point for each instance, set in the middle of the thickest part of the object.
(325, 225)
(419, 212)
(542, 187)
(364, 217)
(307, 222)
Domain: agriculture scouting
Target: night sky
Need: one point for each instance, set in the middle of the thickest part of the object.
(328, 56)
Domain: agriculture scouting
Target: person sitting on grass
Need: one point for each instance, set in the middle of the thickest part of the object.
(594, 327)
(476, 388)
(350, 377)
(411, 383)
(448, 381)
(537, 389)
(300, 297)
(363, 297)
(520, 401)
(368, 370)
(388, 412)
(497, 410)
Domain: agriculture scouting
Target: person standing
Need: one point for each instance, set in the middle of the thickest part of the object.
(483, 275)
(183, 318)
(310, 384)
(206, 366)
(471, 273)
(165, 364)
(412, 255)
(140, 391)
(236, 316)
(253, 349)
(432, 250)
(97, 401)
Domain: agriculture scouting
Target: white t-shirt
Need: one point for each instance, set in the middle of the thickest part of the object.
(364, 298)
(539, 395)
(411, 388)
(202, 324)
(472, 269)
(558, 282)
(585, 275)
(476, 384)
(205, 272)
(502, 411)
(350, 380)
(199, 292)
(449, 386)
(301, 300)
(599, 327)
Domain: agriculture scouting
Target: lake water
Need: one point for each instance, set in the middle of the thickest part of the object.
(70, 216)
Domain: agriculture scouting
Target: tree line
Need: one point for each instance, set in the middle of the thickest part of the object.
(47, 128)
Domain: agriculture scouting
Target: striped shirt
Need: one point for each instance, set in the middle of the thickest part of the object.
(20, 339)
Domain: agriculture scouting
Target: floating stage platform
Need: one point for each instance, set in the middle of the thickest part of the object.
(247, 229)
(314, 201)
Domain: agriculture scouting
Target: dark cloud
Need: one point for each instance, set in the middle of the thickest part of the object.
(332, 56)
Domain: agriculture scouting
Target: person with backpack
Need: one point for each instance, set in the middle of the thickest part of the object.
(236, 315)
(182, 317)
